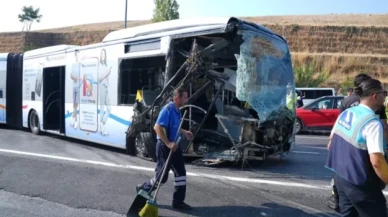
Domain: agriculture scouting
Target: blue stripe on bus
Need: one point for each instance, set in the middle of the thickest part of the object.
(111, 116)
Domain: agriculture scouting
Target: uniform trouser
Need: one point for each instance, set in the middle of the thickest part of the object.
(356, 201)
(177, 165)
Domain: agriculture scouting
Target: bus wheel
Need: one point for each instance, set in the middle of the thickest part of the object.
(145, 146)
(34, 123)
(130, 145)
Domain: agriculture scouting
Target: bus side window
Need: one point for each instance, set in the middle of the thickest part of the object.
(140, 74)
(1, 94)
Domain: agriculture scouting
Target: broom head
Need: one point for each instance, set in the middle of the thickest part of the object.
(150, 209)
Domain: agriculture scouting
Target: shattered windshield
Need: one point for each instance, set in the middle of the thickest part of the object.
(264, 75)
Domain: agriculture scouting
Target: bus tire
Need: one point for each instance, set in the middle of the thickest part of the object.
(34, 122)
(130, 145)
(150, 145)
(145, 146)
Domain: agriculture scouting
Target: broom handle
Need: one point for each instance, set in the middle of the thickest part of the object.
(177, 140)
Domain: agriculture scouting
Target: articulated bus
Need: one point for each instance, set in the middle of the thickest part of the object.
(11, 66)
(239, 75)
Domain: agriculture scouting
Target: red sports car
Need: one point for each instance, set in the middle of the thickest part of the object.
(320, 114)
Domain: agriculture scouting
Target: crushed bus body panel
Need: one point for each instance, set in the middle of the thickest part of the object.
(241, 80)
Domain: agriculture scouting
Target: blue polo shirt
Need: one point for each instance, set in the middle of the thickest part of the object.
(169, 118)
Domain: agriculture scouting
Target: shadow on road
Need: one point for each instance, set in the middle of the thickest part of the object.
(266, 210)
(291, 166)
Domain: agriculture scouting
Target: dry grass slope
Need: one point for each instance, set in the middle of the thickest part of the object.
(377, 20)
(342, 45)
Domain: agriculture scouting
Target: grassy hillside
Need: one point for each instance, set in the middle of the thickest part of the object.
(342, 45)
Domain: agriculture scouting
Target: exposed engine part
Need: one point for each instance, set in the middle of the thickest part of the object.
(225, 127)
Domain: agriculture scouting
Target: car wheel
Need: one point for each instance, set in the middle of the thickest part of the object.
(298, 126)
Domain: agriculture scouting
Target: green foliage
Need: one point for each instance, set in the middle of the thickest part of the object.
(165, 10)
(28, 16)
(295, 27)
(346, 84)
(307, 75)
(29, 47)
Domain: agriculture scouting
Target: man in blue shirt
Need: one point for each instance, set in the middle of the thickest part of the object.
(357, 155)
(166, 128)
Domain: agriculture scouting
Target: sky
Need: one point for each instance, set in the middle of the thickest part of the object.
(63, 13)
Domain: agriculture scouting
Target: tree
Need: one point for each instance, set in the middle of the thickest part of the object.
(28, 16)
(306, 75)
(165, 10)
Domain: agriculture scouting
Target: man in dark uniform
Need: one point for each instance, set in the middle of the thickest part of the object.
(166, 128)
(353, 100)
(357, 155)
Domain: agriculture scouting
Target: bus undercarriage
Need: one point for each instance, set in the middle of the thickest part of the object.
(233, 111)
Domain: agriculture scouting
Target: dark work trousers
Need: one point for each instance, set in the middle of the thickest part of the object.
(355, 201)
(177, 165)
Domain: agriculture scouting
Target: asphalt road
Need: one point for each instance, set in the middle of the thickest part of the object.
(51, 176)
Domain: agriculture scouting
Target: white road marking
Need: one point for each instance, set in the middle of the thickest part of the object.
(313, 137)
(237, 179)
(305, 152)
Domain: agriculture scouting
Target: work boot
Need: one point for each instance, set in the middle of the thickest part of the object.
(332, 202)
(138, 188)
(182, 205)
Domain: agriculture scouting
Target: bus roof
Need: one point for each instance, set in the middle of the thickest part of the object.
(143, 32)
(48, 50)
(3, 56)
(170, 25)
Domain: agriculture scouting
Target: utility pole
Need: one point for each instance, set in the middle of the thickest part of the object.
(125, 24)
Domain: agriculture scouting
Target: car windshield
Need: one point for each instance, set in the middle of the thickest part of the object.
(265, 78)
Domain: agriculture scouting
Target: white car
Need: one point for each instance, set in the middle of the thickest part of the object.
(312, 93)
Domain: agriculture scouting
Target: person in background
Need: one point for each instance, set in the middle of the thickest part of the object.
(386, 105)
(291, 98)
(299, 99)
(339, 92)
(349, 91)
(357, 154)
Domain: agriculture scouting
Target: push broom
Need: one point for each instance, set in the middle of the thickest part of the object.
(143, 201)
(151, 208)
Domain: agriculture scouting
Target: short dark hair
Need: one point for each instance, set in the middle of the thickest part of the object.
(360, 78)
(179, 91)
(368, 87)
(349, 90)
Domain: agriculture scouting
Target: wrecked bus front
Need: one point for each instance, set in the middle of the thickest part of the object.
(241, 91)
(264, 84)
(265, 81)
